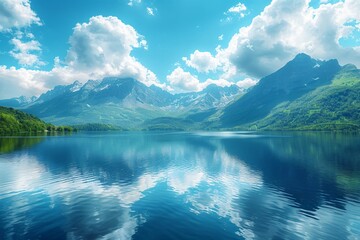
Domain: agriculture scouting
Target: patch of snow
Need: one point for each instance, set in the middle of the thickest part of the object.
(23, 99)
(75, 88)
(316, 65)
(102, 88)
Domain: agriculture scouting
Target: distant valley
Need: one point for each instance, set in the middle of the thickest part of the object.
(305, 94)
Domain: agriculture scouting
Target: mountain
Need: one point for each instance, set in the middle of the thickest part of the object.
(17, 102)
(125, 102)
(295, 79)
(58, 91)
(304, 94)
(212, 96)
(331, 107)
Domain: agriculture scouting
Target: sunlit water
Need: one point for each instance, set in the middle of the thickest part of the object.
(180, 186)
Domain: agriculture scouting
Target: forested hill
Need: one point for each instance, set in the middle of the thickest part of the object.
(14, 121)
(305, 94)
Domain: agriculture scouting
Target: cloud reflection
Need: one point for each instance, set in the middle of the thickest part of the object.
(98, 187)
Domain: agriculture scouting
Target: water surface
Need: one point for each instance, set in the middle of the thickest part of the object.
(200, 185)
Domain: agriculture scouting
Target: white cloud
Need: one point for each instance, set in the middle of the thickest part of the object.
(143, 43)
(150, 11)
(239, 9)
(16, 14)
(24, 52)
(132, 2)
(288, 27)
(182, 81)
(246, 83)
(219, 82)
(93, 44)
(15, 82)
(30, 35)
(202, 61)
(100, 48)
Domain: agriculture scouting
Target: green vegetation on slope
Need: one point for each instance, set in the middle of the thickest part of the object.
(331, 107)
(14, 121)
(296, 79)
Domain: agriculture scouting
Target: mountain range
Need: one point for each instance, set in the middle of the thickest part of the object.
(305, 94)
(127, 103)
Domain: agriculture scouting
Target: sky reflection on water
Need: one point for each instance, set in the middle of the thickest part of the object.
(181, 186)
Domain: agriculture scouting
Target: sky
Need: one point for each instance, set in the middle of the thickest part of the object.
(178, 45)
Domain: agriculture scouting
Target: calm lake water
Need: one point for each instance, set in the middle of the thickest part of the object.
(180, 186)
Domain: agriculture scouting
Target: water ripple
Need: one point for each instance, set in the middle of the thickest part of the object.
(182, 186)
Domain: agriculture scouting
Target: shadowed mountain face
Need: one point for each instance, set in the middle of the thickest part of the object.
(298, 77)
(335, 106)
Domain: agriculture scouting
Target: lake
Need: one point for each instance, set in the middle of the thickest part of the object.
(201, 185)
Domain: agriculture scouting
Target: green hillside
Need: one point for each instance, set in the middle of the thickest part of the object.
(297, 78)
(332, 107)
(306, 94)
(14, 121)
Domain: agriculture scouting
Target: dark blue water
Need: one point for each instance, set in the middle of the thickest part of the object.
(180, 186)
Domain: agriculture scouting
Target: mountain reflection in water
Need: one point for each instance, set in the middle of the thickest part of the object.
(205, 185)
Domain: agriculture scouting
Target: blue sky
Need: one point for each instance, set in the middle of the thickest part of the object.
(178, 45)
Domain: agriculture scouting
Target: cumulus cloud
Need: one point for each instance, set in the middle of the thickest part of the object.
(246, 83)
(26, 52)
(219, 82)
(202, 61)
(93, 44)
(182, 81)
(16, 82)
(100, 48)
(16, 14)
(288, 27)
(239, 9)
